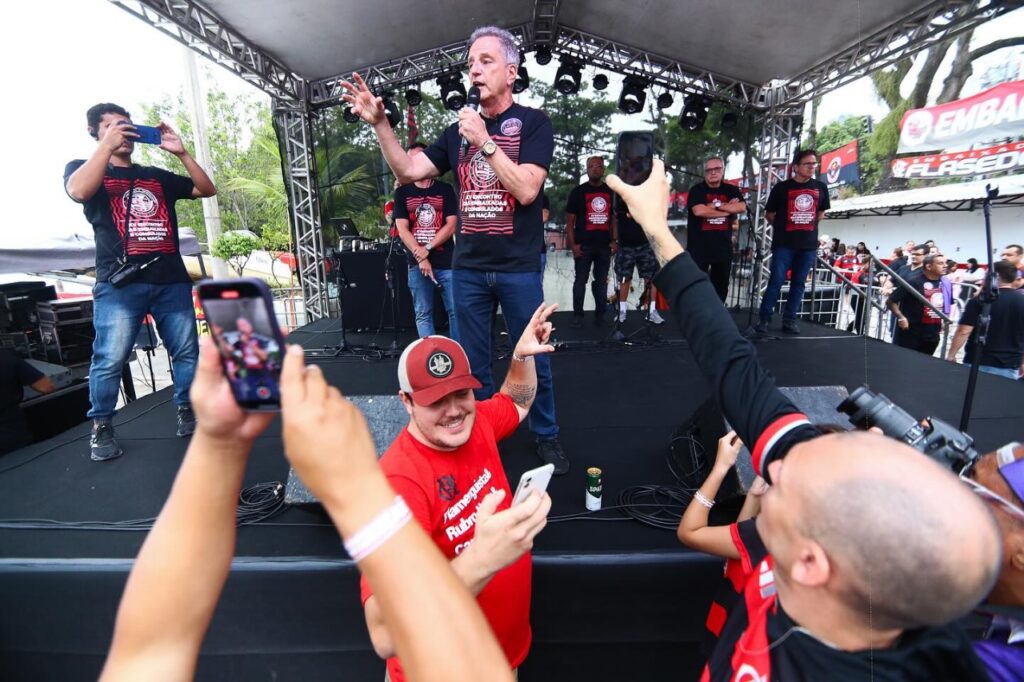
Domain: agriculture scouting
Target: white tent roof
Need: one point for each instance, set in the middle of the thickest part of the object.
(963, 195)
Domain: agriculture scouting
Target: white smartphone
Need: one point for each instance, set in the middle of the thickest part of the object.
(534, 479)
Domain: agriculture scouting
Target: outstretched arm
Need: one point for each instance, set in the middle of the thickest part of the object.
(521, 380)
(747, 394)
(694, 530)
(180, 571)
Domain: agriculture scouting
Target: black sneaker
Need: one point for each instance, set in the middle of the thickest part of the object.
(790, 327)
(102, 444)
(761, 327)
(186, 421)
(550, 452)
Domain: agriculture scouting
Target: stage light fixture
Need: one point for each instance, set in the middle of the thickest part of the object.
(522, 80)
(634, 95)
(391, 111)
(413, 97)
(349, 115)
(600, 81)
(695, 113)
(453, 92)
(543, 55)
(729, 120)
(567, 78)
(664, 100)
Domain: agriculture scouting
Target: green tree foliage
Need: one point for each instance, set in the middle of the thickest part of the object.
(581, 124)
(236, 248)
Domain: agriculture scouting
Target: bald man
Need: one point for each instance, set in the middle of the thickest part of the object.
(849, 568)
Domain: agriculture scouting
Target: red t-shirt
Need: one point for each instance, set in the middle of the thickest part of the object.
(443, 490)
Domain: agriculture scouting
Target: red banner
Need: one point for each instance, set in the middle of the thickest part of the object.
(960, 164)
(840, 166)
(995, 113)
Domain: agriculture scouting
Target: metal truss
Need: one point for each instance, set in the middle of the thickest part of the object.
(545, 22)
(295, 130)
(779, 138)
(938, 21)
(200, 29)
(411, 69)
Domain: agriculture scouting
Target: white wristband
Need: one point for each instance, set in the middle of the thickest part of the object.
(379, 530)
(699, 496)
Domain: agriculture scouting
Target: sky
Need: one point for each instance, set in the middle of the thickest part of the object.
(63, 56)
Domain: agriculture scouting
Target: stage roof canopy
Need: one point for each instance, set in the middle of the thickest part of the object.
(961, 196)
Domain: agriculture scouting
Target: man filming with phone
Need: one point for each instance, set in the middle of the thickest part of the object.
(445, 464)
(139, 270)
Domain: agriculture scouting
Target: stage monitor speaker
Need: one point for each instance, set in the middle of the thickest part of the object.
(695, 442)
(345, 228)
(365, 303)
(386, 417)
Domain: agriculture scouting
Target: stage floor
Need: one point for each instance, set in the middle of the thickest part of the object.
(613, 599)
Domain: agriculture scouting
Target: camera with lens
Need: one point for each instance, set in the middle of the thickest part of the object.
(933, 437)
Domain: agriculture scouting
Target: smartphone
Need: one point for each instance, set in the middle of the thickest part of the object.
(534, 479)
(240, 314)
(147, 134)
(634, 156)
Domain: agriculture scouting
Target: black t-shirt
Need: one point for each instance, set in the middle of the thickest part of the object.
(631, 235)
(153, 232)
(592, 206)
(709, 240)
(15, 374)
(1004, 346)
(897, 263)
(495, 232)
(796, 206)
(427, 209)
(921, 318)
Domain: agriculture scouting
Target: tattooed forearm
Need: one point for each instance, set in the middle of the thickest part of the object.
(521, 394)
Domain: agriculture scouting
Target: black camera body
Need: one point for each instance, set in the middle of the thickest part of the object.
(933, 437)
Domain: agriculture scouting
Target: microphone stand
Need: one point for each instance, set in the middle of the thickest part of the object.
(987, 296)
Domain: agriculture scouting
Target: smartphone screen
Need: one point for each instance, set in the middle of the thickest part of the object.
(634, 156)
(241, 318)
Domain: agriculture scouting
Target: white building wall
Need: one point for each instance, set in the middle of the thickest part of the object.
(960, 234)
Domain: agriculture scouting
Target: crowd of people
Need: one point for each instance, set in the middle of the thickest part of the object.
(853, 558)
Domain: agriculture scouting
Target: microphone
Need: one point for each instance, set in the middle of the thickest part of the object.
(473, 102)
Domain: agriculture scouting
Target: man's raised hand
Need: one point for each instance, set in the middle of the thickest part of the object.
(363, 102)
(534, 340)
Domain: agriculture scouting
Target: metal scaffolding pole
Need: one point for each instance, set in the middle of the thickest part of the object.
(295, 131)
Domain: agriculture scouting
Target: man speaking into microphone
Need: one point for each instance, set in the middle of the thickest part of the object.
(501, 156)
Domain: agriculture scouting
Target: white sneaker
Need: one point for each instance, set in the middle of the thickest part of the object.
(655, 317)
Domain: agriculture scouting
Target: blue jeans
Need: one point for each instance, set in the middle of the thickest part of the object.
(520, 294)
(117, 316)
(1008, 372)
(784, 259)
(422, 290)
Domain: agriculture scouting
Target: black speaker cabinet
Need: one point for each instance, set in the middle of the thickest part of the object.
(365, 296)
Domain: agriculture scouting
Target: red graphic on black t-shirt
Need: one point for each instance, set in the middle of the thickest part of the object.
(149, 229)
(717, 224)
(597, 212)
(426, 216)
(933, 292)
(801, 209)
(486, 207)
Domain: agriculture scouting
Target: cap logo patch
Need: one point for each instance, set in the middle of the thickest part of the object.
(440, 364)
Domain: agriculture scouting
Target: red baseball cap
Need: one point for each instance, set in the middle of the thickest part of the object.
(432, 367)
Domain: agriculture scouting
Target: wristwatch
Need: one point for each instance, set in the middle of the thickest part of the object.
(489, 148)
(718, 203)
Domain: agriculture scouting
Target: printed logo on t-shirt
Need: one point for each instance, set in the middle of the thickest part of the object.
(511, 126)
(149, 228)
(932, 292)
(447, 490)
(439, 364)
(598, 216)
(486, 207)
(717, 224)
(802, 208)
(427, 215)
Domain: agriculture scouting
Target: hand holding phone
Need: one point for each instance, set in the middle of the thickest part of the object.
(240, 313)
(146, 134)
(534, 479)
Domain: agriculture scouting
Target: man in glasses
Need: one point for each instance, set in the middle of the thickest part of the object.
(711, 206)
(794, 208)
(998, 478)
